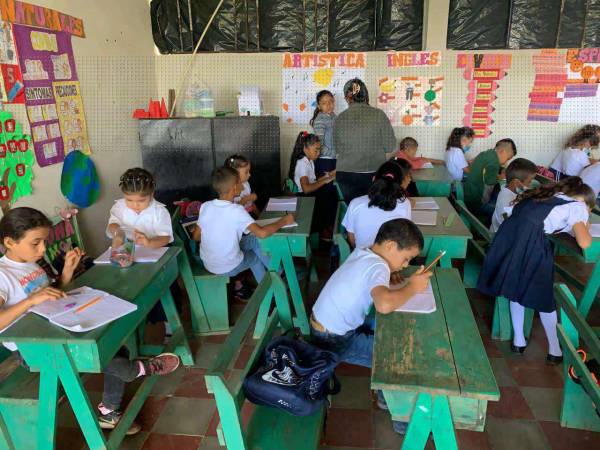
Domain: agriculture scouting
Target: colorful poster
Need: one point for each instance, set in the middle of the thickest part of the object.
(413, 59)
(69, 109)
(305, 74)
(27, 14)
(44, 57)
(12, 82)
(546, 96)
(483, 72)
(411, 101)
(16, 160)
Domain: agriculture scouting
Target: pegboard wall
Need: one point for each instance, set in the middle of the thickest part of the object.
(225, 73)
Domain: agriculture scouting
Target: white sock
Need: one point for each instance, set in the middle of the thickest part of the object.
(168, 329)
(517, 314)
(549, 322)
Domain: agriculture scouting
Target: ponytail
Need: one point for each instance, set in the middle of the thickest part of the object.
(386, 190)
(457, 134)
(303, 140)
(570, 186)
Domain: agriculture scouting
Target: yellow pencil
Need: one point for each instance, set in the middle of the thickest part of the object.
(88, 304)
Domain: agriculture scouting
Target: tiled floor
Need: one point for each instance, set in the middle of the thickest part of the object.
(181, 415)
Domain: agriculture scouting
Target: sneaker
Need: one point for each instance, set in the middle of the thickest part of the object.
(381, 403)
(162, 364)
(399, 427)
(109, 422)
(243, 294)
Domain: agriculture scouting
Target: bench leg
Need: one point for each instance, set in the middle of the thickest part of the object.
(183, 348)
(5, 439)
(199, 316)
(589, 292)
(213, 294)
(430, 415)
(48, 398)
(502, 324)
(472, 270)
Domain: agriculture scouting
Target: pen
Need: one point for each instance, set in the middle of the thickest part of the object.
(442, 253)
(70, 305)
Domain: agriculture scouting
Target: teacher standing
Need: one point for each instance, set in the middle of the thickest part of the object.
(362, 136)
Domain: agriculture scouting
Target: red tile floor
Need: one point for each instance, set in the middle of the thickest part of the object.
(181, 415)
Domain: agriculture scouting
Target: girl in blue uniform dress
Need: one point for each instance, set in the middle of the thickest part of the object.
(520, 262)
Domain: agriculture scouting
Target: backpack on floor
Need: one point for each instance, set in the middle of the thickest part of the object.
(294, 376)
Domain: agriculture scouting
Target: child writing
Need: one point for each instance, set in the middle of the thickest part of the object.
(302, 170)
(246, 197)
(520, 262)
(339, 319)
(23, 284)
(385, 201)
(572, 159)
(227, 233)
(322, 124)
(459, 143)
(146, 220)
(407, 182)
(408, 150)
(519, 175)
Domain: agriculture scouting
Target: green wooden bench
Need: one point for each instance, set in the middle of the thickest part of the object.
(579, 402)
(268, 428)
(339, 233)
(207, 292)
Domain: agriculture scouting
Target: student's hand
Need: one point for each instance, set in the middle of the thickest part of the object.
(48, 293)
(72, 259)
(288, 219)
(141, 239)
(419, 280)
(396, 278)
(413, 202)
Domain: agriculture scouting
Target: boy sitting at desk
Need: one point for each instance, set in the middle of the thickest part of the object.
(24, 284)
(340, 319)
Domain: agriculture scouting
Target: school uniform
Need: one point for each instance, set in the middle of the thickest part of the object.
(246, 190)
(226, 248)
(480, 183)
(339, 317)
(364, 221)
(520, 262)
(323, 127)
(570, 162)
(591, 176)
(505, 198)
(455, 161)
(415, 163)
(154, 221)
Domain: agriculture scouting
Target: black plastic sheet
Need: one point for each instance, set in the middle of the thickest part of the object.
(281, 25)
(591, 34)
(572, 22)
(533, 24)
(399, 25)
(478, 24)
(351, 25)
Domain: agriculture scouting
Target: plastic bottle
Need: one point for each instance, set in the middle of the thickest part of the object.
(122, 249)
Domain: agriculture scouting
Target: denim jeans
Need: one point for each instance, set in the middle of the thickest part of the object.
(254, 258)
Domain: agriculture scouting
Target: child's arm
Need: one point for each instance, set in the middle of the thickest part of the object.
(72, 259)
(268, 230)
(197, 233)
(351, 240)
(112, 228)
(248, 198)
(387, 300)
(12, 313)
(437, 162)
(582, 234)
(307, 187)
(155, 242)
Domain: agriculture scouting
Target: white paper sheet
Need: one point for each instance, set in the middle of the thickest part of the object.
(265, 222)
(425, 203)
(422, 303)
(424, 217)
(282, 204)
(595, 229)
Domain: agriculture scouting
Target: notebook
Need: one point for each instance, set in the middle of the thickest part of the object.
(265, 222)
(425, 203)
(142, 255)
(595, 229)
(62, 312)
(424, 217)
(421, 303)
(282, 204)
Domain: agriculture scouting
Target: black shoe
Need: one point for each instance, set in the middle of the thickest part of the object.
(553, 360)
(516, 349)
(243, 294)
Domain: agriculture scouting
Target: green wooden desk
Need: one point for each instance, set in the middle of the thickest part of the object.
(435, 182)
(565, 244)
(283, 246)
(61, 356)
(452, 238)
(433, 369)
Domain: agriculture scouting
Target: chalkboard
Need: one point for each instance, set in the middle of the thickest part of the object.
(182, 153)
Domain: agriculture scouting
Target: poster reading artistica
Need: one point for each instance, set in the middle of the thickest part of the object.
(45, 57)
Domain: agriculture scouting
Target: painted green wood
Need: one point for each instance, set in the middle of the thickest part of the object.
(502, 329)
(434, 182)
(459, 190)
(441, 425)
(473, 222)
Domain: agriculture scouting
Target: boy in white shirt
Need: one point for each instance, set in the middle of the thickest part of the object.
(519, 175)
(227, 233)
(591, 176)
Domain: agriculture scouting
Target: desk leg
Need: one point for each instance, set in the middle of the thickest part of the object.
(46, 429)
(183, 348)
(430, 415)
(589, 292)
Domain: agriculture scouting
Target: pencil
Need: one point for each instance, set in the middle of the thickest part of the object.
(442, 253)
(88, 304)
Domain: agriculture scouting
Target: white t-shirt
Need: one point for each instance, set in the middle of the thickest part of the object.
(455, 162)
(246, 190)
(364, 222)
(222, 224)
(591, 176)
(153, 221)
(505, 196)
(570, 161)
(346, 298)
(17, 282)
(304, 168)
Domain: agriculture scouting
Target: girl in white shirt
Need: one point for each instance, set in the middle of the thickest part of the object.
(459, 143)
(302, 170)
(246, 198)
(591, 176)
(574, 158)
(385, 201)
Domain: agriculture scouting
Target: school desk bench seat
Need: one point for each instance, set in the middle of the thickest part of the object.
(207, 292)
(268, 428)
(581, 401)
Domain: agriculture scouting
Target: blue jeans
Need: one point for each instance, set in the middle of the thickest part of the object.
(354, 347)
(254, 258)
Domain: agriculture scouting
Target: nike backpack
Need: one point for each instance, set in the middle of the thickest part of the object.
(293, 376)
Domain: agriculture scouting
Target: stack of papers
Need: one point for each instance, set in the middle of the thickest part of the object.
(286, 204)
(595, 229)
(141, 255)
(425, 203)
(64, 313)
(424, 217)
(427, 165)
(422, 303)
(265, 222)
(249, 103)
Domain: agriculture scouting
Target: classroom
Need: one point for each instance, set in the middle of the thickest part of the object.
(299, 225)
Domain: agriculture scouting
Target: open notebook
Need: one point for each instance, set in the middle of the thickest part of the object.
(282, 204)
(422, 303)
(141, 255)
(63, 312)
(595, 229)
(425, 203)
(265, 222)
(424, 217)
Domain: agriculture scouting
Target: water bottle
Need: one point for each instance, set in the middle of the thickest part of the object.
(122, 249)
(206, 103)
